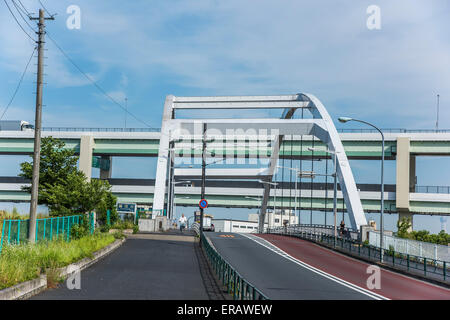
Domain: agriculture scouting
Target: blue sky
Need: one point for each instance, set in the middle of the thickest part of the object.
(145, 50)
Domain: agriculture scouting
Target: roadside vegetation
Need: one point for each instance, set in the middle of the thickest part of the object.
(65, 191)
(63, 188)
(403, 225)
(19, 263)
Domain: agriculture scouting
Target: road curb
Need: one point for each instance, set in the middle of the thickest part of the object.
(66, 271)
(25, 289)
(30, 288)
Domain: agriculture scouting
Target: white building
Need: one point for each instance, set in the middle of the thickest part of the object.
(236, 226)
(276, 220)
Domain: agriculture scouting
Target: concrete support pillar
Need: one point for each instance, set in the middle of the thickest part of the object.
(86, 147)
(406, 177)
(412, 173)
(405, 214)
(106, 174)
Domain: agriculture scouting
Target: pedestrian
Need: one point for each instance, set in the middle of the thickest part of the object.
(342, 227)
(182, 221)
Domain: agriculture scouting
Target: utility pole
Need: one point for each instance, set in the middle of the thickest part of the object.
(126, 111)
(437, 115)
(203, 178)
(37, 129)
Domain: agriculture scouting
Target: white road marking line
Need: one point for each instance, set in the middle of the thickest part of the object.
(284, 254)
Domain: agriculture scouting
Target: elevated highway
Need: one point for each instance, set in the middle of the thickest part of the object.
(245, 194)
(401, 144)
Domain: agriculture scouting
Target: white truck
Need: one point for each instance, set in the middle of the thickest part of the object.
(207, 221)
(15, 125)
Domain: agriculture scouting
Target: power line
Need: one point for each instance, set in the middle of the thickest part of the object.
(24, 8)
(19, 10)
(18, 85)
(45, 8)
(95, 83)
(21, 27)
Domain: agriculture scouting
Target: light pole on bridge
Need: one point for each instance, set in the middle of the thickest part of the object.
(346, 119)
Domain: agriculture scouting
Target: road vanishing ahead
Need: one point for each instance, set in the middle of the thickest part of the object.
(144, 267)
(290, 268)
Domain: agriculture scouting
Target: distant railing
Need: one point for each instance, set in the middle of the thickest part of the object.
(15, 232)
(71, 129)
(407, 246)
(195, 227)
(432, 189)
(393, 130)
(413, 264)
(362, 130)
(237, 286)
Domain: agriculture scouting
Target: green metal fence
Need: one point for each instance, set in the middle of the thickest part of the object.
(430, 268)
(16, 231)
(236, 285)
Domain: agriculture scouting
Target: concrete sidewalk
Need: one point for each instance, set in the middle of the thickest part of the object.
(146, 266)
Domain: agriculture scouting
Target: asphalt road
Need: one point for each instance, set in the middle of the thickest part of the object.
(146, 267)
(392, 284)
(275, 276)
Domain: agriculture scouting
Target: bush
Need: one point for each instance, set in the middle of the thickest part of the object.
(82, 229)
(19, 263)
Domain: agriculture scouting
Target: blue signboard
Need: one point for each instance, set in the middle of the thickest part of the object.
(126, 207)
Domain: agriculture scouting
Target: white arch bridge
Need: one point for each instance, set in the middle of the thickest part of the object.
(264, 133)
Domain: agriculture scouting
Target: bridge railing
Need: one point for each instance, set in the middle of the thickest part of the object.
(413, 247)
(237, 286)
(195, 227)
(15, 231)
(432, 189)
(73, 129)
(416, 265)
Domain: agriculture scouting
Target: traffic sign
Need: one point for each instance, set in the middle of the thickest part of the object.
(203, 204)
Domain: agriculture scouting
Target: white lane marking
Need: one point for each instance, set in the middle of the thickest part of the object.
(284, 254)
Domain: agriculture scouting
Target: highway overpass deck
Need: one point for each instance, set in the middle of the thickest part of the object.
(245, 194)
(358, 145)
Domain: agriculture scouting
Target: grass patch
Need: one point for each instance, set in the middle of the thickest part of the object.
(20, 263)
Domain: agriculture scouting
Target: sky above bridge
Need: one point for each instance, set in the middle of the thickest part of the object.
(144, 50)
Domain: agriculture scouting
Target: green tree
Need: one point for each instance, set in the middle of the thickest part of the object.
(62, 187)
(76, 194)
(403, 226)
(108, 203)
(57, 163)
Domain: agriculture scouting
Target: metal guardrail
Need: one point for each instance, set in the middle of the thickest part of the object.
(195, 227)
(432, 189)
(15, 232)
(413, 247)
(73, 129)
(237, 286)
(429, 268)
(362, 130)
(393, 130)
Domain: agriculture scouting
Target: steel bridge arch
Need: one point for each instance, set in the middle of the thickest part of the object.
(321, 127)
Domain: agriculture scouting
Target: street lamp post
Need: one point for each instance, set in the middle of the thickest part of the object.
(274, 200)
(295, 201)
(344, 120)
(334, 153)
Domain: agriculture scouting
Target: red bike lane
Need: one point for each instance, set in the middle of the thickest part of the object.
(393, 285)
